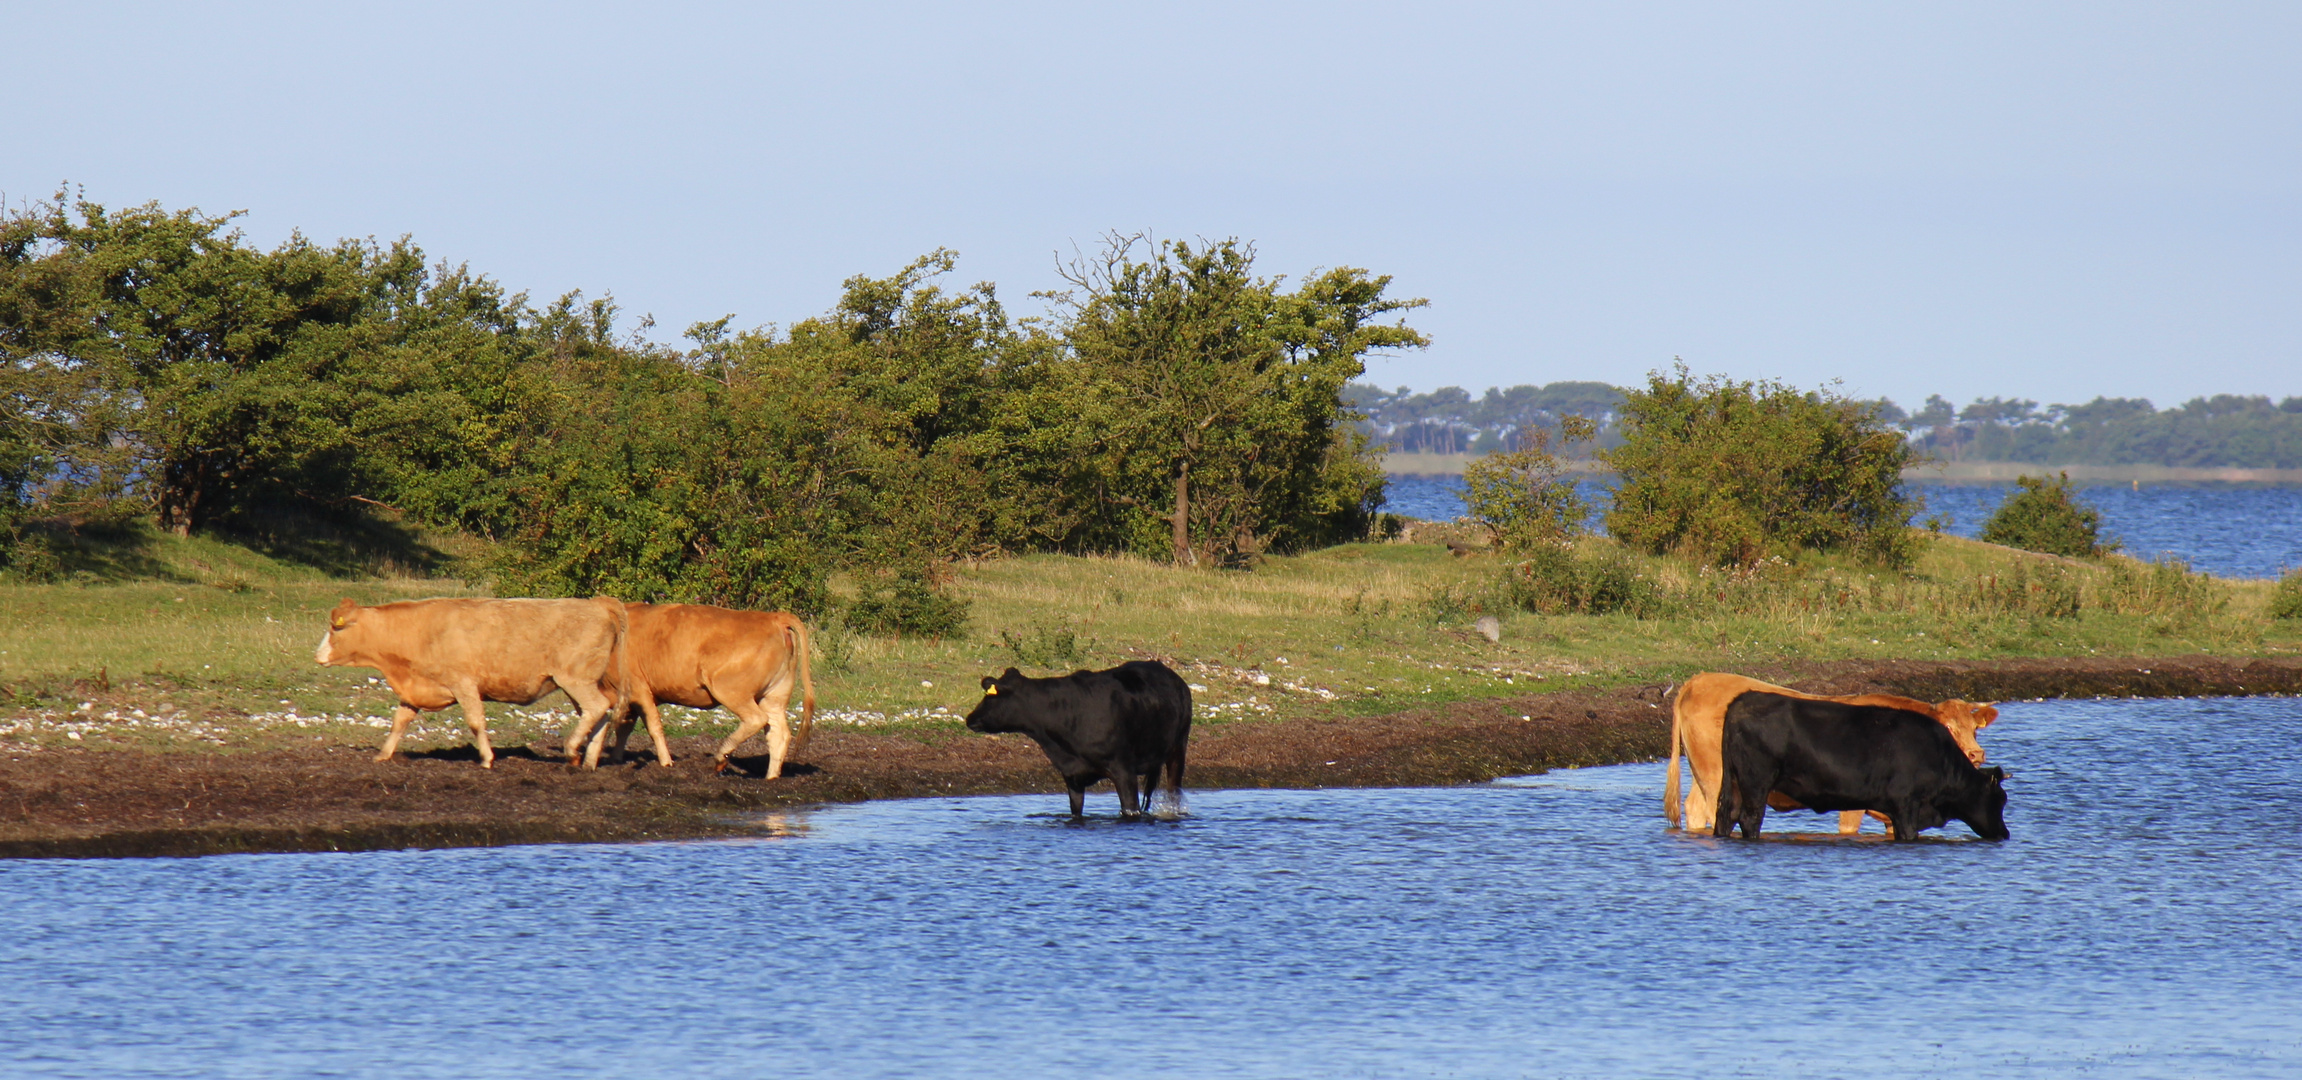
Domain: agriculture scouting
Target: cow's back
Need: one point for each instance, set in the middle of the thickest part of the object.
(1836, 751)
(504, 644)
(677, 644)
(1156, 701)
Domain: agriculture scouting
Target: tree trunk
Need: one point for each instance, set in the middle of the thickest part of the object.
(1182, 518)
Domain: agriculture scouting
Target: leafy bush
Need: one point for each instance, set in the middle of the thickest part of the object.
(2286, 599)
(1555, 579)
(2045, 592)
(1454, 602)
(1524, 497)
(2166, 588)
(1731, 472)
(2045, 515)
(908, 607)
(1043, 646)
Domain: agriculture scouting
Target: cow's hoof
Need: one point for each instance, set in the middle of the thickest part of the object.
(487, 764)
(380, 758)
(720, 769)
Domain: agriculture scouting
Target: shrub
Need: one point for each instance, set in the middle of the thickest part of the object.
(2044, 592)
(2045, 515)
(1042, 646)
(1731, 472)
(2286, 598)
(1524, 497)
(1555, 579)
(908, 607)
(2165, 588)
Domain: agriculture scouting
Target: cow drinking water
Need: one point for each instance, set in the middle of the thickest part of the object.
(1698, 715)
(1128, 724)
(1829, 755)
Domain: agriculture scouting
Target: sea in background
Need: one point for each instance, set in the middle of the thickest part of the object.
(2142, 922)
(2232, 530)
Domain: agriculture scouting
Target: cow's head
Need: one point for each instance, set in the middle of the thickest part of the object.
(1000, 710)
(341, 620)
(1963, 719)
(1987, 815)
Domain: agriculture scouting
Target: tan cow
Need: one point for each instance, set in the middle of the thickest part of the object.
(1698, 720)
(701, 656)
(437, 653)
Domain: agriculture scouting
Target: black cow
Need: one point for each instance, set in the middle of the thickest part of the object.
(1833, 756)
(1125, 724)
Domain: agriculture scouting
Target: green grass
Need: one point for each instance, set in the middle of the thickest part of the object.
(215, 645)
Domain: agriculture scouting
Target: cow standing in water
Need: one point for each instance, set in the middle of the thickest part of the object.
(1128, 724)
(1828, 755)
(700, 656)
(1698, 716)
(437, 653)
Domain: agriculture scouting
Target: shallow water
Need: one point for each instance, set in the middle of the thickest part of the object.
(2235, 531)
(2144, 921)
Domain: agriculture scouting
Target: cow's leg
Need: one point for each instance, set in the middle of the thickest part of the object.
(590, 730)
(648, 708)
(1899, 820)
(1702, 805)
(1706, 796)
(1123, 778)
(756, 718)
(1078, 798)
(1849, 822)
(400, 718)
(765, 711)
(1175, 779)
(476, 718)
(1727, 807)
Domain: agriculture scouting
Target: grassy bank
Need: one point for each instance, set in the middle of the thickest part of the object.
(208, 646)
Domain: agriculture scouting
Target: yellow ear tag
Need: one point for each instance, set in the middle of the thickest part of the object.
(336, 623)
(991, 691)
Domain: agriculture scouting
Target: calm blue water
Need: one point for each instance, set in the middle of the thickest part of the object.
(2144, 921)
(2252, 531)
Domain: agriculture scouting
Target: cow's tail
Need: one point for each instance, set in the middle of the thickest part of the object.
(1671, 779)
(796, 635)
(620, 649)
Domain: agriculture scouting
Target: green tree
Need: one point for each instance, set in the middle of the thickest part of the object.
(2045, 514)
(1525, 497)
(175, 368)
(1217, 396)
(1731, 472)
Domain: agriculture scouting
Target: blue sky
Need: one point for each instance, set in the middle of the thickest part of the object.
(2050, 201)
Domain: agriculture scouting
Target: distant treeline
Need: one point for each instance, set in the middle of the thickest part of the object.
(2225, 430)
(2221, 431)
(1176, 404)
(1449, 420)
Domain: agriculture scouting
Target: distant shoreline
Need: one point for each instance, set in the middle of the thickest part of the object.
(1959, 472)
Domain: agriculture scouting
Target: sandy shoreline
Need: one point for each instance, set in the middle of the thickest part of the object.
(73, 803)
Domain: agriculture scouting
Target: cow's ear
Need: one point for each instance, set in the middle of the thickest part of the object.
(1984, 714)
(342, 615)
(990, 685)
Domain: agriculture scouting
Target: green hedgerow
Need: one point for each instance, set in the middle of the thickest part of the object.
(2046, 515)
